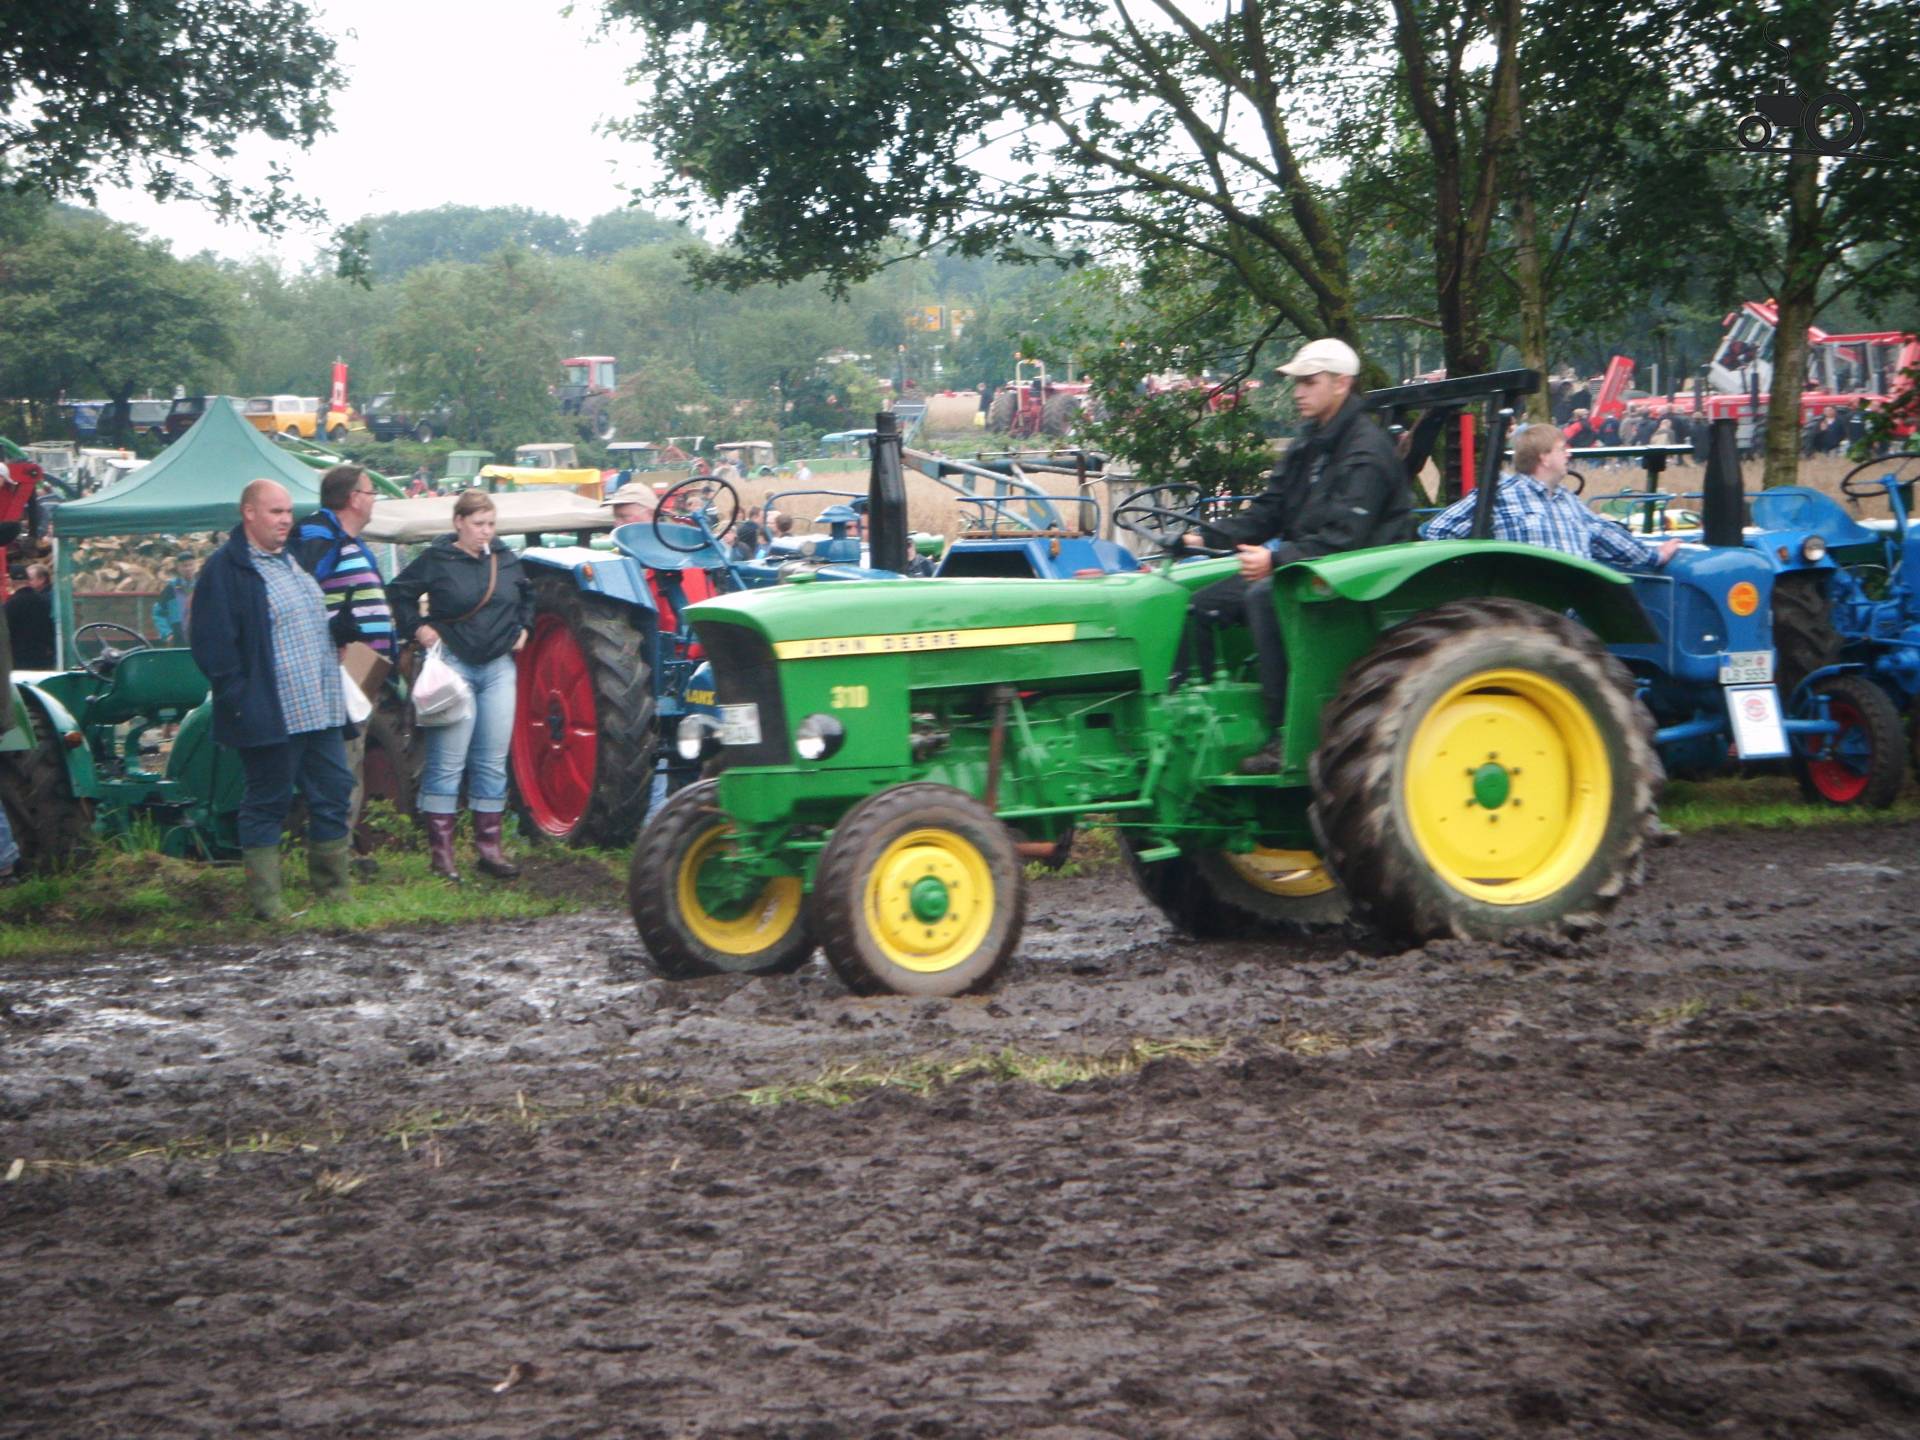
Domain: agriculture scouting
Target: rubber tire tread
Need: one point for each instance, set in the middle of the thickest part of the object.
(839, 883)
(1215, 904)
(1354, 776)
(672, 952)
(1058, 414)
(1887, 770)
(1804, 637)
(1001, 410)
(613, 638)
(51, 825)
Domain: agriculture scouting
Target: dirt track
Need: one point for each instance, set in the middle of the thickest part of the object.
(1658, 1182)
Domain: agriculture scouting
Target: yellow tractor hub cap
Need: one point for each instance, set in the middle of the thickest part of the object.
(929, 900)
(1507, 787)
(1295, 874)
(733, 926)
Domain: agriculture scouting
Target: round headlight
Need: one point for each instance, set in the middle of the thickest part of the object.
(697, 737)
(818, 737)
(1813, 548)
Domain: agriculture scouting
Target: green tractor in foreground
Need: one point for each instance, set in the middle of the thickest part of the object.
(1461, 758)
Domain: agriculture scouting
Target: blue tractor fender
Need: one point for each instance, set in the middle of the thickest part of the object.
(1705, 602)
(1802, 511)
(27, 697)
(1038, 557)
(614, 574)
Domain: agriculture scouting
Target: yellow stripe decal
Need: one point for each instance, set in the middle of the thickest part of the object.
(830, 645)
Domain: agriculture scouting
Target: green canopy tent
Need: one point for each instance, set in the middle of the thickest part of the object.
(193, 485)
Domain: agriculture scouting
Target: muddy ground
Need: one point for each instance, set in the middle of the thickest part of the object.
(1658, 1182)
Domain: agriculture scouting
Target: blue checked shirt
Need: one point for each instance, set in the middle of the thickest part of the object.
(1528, 513)
(306, 665)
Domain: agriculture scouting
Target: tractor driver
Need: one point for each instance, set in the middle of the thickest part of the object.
(1339, 487)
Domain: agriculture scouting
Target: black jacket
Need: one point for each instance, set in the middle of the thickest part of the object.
(30, 617)
(444, 583)
(1360, 498)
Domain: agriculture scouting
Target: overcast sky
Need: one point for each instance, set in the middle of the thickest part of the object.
(446, 102)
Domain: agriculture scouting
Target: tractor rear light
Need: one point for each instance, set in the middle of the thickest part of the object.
(1093, 574)
(698, 737)
(74, 739)
(1813, 549)
(818, 737)
(586, 572)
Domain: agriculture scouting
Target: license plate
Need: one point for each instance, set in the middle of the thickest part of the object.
(739, 724)
(1755, 713)
(1746, 667)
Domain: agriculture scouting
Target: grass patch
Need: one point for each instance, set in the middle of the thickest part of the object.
(1767, 802)
(122, 898)
(1096, 847)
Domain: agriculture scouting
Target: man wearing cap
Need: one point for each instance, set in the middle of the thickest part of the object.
(630, 503)
(1339, 487)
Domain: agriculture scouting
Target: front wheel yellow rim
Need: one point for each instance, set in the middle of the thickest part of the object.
(1291, 874)
(929, 900)
(1507, 787)
(742, 927)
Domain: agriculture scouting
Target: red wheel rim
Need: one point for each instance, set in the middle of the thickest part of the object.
(555, 734)
(1841, 774)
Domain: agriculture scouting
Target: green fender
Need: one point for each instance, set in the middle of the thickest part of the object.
(78, 759)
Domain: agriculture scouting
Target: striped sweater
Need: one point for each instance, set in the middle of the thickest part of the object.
(349, 580)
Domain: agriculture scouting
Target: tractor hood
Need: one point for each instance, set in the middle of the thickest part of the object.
(901, 617)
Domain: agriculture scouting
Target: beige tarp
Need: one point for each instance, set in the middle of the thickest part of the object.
(521, 512)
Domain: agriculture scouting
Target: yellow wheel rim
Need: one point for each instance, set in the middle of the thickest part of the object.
(1507, 787)
(929, 900)
(1295, 874)
(738, 928)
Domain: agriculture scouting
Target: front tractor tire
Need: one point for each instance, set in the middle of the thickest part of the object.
(919, 891)
(583, 731)
(52, 826)
(1864, 764)
(1219, 895)
(689, 921)
(1485, 769)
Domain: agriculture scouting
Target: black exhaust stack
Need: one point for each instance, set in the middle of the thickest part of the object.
(1725, 504)
(887, 547)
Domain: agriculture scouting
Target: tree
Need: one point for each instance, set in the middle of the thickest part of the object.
(144, 92)
(398, 244)
(479, 339)
(99, 307)
(607, 235)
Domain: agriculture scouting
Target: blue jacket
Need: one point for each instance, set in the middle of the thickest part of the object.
(232, 639)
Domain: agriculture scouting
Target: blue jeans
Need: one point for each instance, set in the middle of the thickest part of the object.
(315, 761)
(476, 747)
(9, 851)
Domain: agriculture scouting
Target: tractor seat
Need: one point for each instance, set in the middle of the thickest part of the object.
(1800, 507)
(638, 540)
(145, 684)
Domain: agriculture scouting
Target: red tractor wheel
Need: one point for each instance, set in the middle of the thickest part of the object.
(1865, 763)
(583, 734)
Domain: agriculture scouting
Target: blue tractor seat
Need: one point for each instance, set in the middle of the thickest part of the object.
(638, 540)
(1800, 507)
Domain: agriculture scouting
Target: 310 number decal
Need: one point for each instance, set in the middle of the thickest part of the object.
(849, 697)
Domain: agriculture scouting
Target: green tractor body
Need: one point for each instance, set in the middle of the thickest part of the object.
(888, 751)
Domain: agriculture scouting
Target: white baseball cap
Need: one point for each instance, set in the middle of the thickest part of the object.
(1323, 357)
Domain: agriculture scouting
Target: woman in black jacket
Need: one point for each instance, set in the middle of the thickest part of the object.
(468, 593)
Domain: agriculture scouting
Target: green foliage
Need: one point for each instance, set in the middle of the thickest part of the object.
(145, 92)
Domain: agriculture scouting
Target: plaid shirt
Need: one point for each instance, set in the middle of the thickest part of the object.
(1528, 513)
(306, 666)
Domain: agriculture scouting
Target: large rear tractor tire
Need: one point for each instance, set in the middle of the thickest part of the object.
(919, 891)
(1001, 411)
(1060, 414)
(689, 925)
(1220, 895)
(52, 826)
(1866, 763)
(1804, 639)
(1484, 769)
(583, 731)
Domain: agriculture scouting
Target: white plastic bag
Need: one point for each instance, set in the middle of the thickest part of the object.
(440, 695)
(358, 706)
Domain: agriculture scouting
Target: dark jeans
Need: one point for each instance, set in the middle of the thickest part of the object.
(315, 762)
(1234, 602)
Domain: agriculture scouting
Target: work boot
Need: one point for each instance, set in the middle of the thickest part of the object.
(327, 869)
(486, 839)
(1264, 761)
(262, 864)
(440, 845)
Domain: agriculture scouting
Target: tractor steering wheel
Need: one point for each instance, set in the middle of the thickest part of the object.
(1154, 516)
(1902, 467)
(702, 500)
(1575, 481)
(106, 654)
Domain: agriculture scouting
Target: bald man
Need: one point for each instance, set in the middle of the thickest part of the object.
(260, 634)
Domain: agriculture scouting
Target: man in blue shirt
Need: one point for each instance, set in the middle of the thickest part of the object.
(260, 636)
(1533, 508)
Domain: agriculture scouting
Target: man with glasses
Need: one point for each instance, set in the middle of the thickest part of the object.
(328, 546)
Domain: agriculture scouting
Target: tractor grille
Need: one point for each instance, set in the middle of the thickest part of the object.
(745, 673)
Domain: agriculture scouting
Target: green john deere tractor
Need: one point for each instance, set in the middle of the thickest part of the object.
(1461, 758)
